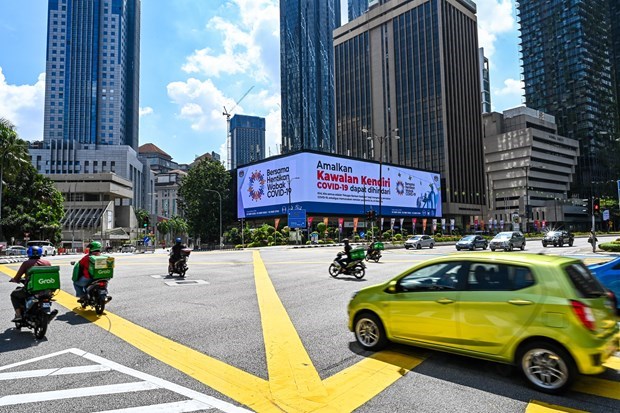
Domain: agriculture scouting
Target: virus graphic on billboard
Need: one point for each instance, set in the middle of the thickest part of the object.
(257, 186)
(400, 188)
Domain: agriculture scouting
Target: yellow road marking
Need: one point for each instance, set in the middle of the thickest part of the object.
(293, 379)
(535, 406)
(598, 387)
(241, 386)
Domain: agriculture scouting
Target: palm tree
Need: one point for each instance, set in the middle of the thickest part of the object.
(13, 153)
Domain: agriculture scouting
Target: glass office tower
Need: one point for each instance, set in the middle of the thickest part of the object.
(307, 73)
(416, 75)
(92, 72)
(569, 73)
(247, 140)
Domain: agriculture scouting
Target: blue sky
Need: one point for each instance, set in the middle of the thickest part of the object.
(199, 56)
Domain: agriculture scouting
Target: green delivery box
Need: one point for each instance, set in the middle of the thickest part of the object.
(358, 253)
(101, 267)
(43, 278)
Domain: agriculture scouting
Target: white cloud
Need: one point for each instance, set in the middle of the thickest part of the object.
(495, 17)
(511, 87)
(250, 45)
(147, 110)
(23, 106)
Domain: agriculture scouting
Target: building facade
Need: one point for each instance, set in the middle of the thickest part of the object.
(529, 172)
(569, 72)
(92, 94)
(410, 69)
(307, 73)
(485, 81)
(247, 137)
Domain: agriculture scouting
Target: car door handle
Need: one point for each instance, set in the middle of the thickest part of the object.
(445, 301)
(520, 302)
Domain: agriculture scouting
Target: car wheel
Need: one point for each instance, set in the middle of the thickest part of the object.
(485, 246)
(419, 246)
(544, 245)
(492, 249)
(369, 332)
(570, 243)
(406, 247)
(431, 246)
(546, 366)
(523, 246)
(471, 248)
(458, 249)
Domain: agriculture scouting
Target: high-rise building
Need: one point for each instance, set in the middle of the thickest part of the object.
(568, 70)
(91, 91)
(307, 73)
(92, 106)
(247, 139)
(356, 8)
(485, 82)
(410, 69)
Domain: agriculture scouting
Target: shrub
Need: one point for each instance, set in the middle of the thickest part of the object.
(610, 246)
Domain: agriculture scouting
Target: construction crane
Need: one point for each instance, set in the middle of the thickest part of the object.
(228, 114)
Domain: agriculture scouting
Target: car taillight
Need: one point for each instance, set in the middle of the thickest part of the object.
(584, 314)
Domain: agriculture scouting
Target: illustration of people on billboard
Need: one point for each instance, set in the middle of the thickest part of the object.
(430, 199)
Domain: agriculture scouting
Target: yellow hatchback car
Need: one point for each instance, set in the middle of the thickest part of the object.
(548, 315)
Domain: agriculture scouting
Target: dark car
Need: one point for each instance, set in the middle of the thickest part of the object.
(608, 274)
(558, 239)
(471, 242)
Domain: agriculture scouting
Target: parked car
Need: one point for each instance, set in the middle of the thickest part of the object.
(558, 238)
(471, 242)
(16, 250)
(419, 241)
(608, 273)
(47, 247)
(547, 315)
(508, 240)
(128, 248)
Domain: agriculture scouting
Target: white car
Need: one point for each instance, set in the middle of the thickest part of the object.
(46, 246)
(419, 241)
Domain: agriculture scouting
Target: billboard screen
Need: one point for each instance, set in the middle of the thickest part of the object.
(325, 184)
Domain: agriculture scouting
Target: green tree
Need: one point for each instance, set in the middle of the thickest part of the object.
(143, 217)
(178, 226)
(200, 200)
(164, 228)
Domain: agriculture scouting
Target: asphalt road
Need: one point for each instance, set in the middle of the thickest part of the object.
(263, 330)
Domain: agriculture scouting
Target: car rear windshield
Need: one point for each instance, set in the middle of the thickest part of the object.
(584, 282)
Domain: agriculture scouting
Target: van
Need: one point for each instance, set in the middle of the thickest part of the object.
(46, 246)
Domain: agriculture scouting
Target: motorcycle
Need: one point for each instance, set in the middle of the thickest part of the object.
(373, 254)
(96, 295)
(37, 309)
(180, 266)
(355, 267)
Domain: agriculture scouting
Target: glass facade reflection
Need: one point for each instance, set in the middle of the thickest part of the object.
(307, 73)
(568, 72)
(247, 139)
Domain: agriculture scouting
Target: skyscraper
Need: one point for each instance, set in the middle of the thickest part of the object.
(568, 71)
(485, 81)
(91, 91)
(307, 73)
(411, 69)
(356, 8)
(247, 139)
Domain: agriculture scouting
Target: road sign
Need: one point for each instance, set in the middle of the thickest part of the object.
(606, 215)
(297, 218)
(146, 240)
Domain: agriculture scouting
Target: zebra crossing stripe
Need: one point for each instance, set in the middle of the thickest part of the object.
(174, 407)
(53, 372)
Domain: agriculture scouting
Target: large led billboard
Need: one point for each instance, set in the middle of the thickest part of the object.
(325, 184)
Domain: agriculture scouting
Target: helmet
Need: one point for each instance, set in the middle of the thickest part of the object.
(178, 240)
(35, 251)
(346, 240)
(94, 246)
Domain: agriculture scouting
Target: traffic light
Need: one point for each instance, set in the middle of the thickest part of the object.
(596, 205)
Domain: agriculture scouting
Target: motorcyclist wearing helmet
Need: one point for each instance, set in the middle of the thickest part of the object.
(175, 251)
(345, 258)
(94, 248)
(19, 295)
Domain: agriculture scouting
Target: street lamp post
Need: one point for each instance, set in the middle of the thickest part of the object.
(289, 206)
(381, 140)
(220, 196)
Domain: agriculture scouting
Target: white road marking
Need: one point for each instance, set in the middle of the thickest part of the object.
(76, 393)
(153, 381)
(175, 407)
(53, 372)
(185, 282)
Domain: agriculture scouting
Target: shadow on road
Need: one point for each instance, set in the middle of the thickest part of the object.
(13, 339)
